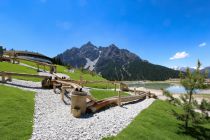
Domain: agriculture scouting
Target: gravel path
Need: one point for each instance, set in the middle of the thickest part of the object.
(53, 120)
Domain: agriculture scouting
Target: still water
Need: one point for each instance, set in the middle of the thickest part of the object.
(172, 88)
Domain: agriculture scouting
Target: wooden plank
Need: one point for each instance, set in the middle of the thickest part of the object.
(22, 74)
(69, 83)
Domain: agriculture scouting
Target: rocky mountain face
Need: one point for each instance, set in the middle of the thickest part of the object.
(114, 63)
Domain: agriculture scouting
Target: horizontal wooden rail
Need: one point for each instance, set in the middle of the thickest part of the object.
(2, 73)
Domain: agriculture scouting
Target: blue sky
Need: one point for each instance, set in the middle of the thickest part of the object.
(165, 32)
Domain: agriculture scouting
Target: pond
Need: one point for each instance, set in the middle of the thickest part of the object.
(152, 85)
(172, 88)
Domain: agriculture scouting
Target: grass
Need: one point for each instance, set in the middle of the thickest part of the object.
(9, 67)
(102, 94)
(16, 113)
(77, 73)
(86, 76)
(158, 122)
(100, 85)
(4, 66)
(33, 64)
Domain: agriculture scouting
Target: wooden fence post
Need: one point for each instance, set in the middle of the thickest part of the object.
(38, 67)
(54, 88)
(3, 78)
(81, 80)
(119, 98)
(10, 78)
(13, 61)
(62, 93)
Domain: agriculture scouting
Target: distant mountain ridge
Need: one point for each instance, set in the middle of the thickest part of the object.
(114, 63)
(183, 69)
(206, 69)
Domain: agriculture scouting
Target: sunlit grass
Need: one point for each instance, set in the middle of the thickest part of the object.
(16, 113)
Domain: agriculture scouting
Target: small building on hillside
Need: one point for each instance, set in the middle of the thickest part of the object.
(29, 55)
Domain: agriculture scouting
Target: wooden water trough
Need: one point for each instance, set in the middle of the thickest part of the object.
(81, 102)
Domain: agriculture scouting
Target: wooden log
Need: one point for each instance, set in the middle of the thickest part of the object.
(78, 102)
(76, 86)
(133, 98)
(100, 104)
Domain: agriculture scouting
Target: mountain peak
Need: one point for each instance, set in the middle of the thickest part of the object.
(113, 46)
(88, 45)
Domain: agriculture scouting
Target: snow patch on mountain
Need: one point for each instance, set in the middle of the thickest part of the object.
(91, 64)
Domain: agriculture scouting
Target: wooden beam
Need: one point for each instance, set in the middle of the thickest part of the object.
(22, 74)
(132, 98)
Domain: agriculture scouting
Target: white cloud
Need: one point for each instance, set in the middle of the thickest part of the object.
(202, 44)
(179, 55)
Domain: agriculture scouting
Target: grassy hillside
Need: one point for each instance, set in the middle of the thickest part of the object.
(33, 64)
(77, 73)
(9, 67)
(75, 76)
(4, 66)
(158, 122)
(85, 76)
(16, 113)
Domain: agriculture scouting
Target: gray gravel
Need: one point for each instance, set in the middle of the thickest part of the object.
(53, 120)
